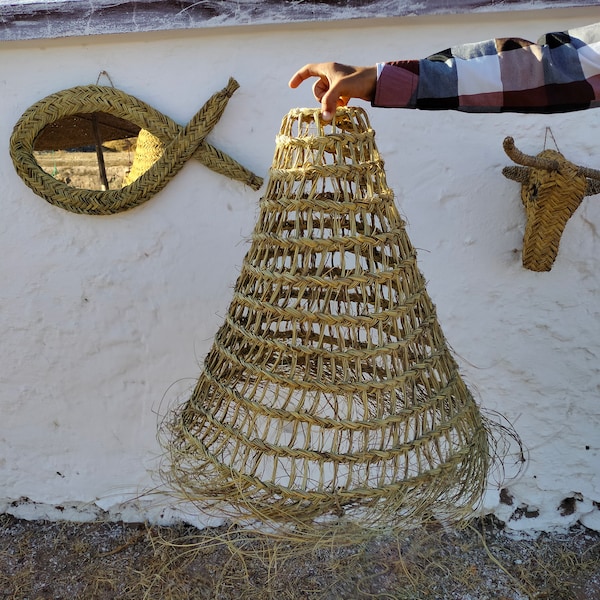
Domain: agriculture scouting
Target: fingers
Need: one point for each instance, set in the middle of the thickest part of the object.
(323, 89)
(329, 103)
(320, 88)
(337, 84)
(307, 71)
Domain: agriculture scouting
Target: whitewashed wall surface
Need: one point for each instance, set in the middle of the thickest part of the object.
(105, 321)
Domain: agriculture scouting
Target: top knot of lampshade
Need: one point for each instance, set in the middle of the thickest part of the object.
(329, 388)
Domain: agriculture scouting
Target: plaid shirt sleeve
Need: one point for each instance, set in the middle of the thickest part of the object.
(558, 74)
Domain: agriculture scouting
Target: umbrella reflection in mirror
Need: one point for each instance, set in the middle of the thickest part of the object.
(93, 151)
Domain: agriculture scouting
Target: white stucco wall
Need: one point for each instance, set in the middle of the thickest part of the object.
(104, 321)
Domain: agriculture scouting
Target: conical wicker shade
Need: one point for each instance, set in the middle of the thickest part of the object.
(329, 388)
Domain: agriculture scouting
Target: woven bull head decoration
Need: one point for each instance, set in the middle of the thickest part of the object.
(551, 190)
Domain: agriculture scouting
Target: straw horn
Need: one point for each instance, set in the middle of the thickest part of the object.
(538, 162)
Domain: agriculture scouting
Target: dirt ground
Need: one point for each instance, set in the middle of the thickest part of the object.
(50, 560)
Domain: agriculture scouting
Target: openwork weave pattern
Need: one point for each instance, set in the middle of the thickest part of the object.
(329, 388)
(181, 144)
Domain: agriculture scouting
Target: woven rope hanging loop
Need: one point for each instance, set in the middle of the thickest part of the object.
(329, 388)
(551, 190)
(180, 144)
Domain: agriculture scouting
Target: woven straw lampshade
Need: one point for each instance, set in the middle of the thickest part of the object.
(330, 389)
(148, 150)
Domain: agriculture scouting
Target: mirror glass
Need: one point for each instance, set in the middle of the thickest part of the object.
(94, 151)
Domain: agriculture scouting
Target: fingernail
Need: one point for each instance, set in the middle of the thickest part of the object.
(326, 115)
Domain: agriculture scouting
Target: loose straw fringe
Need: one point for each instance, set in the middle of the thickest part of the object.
(330, 391)
(180, 144)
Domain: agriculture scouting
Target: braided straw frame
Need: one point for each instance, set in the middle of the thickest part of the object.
(550, 197)
(330, 389)
(181, 143)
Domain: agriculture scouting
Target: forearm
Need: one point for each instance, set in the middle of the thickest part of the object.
(559, 73)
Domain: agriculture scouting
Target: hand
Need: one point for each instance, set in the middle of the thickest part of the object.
(337, 84)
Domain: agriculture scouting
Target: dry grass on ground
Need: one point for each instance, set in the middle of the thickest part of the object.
(101, 561)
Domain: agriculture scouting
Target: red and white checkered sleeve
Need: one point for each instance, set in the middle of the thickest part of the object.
(559, 73)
